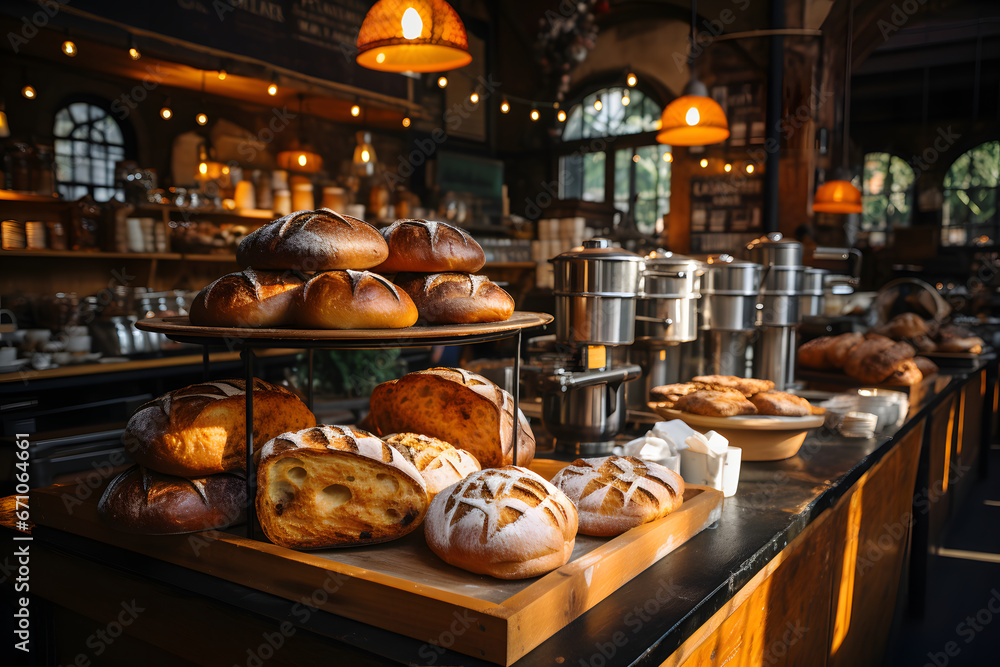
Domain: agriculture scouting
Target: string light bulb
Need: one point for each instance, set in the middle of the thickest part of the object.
(133, 50)
(69, 48)
(355, 110)
(474, 98)
(223, 74)
(272, 89)
(631, 80)
(28, 91)
(561, 116)
(668, 157)
(406, 121)
(504, 106)
(728, 167)
(749, 168)
(598, 104)
(203, 168)
(201, 118)
(442, 82)
(703, 163)
(166, 113)
(625, 100)
(534, 114)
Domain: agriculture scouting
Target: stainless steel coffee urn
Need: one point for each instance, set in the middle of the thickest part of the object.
(779, 314)
(730, 289)
(583, 402)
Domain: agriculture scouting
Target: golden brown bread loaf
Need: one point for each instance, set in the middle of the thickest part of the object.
(247, 298)
(905, 374)
(457, 298)
(876, 359)
(812, 354)
(201, 429)
(668, 394)
(440, 464)
(971, 344)
(715, 404)
(615, 493)
(904, 325)
(925, 366)
(352, 300)
(457, 406)
(841, 347)
(860, 354)
(424, 246)
(506, 522)
(780, 403)
(747, 386)
(140, 500)
(320, 240)
(332, 486)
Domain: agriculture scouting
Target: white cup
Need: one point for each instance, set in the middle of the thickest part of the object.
(731, 471)
(62, 358)
(78, 344)
(8, 355)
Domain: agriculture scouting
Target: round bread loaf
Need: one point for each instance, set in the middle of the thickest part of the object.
(440, 464)
(310, 241)
(841, 347)
(506, 522)
(780, 403)
(140, 500)
(812, 354)
(424, 246)
(247, 298)
(201, 429)
(334, 486)
(457, 298)
(352, 300)
(616, 493)
(457, 406)
(906, 374)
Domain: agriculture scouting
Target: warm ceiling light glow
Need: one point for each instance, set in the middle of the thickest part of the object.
(222, 75)
(203, 168)
(837, 196)
(69, 48)
(703, 163)
(749, 168)
(272, 90)
(442, 82)
(625, 100)
(630, 80)
(134, 53)
(431, 39)
(635, 158)
(412, 24)
(668, 157)
(598, 105)
(728, 167)
(302, 159)
(534, 114)
(692, 116)
(166, 113)
(29, 92)
(474, 98)
(355, 111)
(365, 156)
(225, 170)
(406, 121)
(693, 120)
(561, 116)
(201, 119)
(504, 106)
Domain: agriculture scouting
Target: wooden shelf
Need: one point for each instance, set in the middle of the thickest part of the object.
(510, 265)
(228, 258)
(249, 214)
(11, 195)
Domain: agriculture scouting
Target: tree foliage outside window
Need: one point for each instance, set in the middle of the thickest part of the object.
(969, 213)
(88, 145)
(887, 194)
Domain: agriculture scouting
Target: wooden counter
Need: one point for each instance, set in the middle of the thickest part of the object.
(804, 568)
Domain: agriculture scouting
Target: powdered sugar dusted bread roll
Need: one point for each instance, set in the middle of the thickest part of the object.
(427, 247)
(616, 493)
(330, 486)
(440, 464)
(506, 522)
(457, 298)
(462, 408)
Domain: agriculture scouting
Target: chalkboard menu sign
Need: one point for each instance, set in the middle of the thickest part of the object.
(313, 37)
(729, 203)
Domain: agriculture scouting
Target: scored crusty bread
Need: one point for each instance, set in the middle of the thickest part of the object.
(668, 394)
(812, 354)
(332, 486)
(352, 300)
(457, 298)
(748, 386)
(506, 522)
(781, 404)
(425, 246)
(615, 493)
(841, 347)
(140, 500)
(715, 404)
(440, 464)
(201, 429)
(876, 359)
(458, 406)
(321, 240)
(246, 298)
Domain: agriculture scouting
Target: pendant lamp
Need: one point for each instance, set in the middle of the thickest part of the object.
(694, 119)
(364, 154)
(300, 155)
(413, 36)
(839, 195)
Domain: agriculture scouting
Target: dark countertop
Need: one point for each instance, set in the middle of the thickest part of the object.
(648, 618)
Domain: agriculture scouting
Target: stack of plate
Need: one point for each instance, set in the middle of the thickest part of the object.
(858, 425)
(34, 233)
(13, 235)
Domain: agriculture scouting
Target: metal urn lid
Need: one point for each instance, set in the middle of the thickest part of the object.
(671, 276)
(597, 269)
(774, 250)
(724, 274)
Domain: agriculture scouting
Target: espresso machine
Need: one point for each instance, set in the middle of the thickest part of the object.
(730, 290)
(666, 319)
(780, 314)
(583, 393)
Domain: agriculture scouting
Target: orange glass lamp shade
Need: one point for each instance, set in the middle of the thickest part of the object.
(300, 159)
(693, 120)
(837, 196)
(413, 36)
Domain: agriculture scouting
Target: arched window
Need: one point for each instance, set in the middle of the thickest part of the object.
(610, 154)
(969, 210)
(88, 144)
(887, 194)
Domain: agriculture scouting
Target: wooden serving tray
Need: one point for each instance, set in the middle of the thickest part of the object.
(402, 586)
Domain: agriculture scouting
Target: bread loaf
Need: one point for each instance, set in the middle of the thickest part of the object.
(321, 240)
(874, 360)
(140, 500)
(461, 408)
(201, 429)
(247, 298)
(330, 486)
(841, 347)
(747, 386)
(424, 246)
(615, 493)
(906, 374)
(715, 404)
(780, 403)
(440, 464)
(352, 300)
(506, 522)
(812, 354)
(457, 298)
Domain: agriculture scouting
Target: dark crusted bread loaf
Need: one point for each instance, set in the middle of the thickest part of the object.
(457, 298)
(332, 486)
(352, 300)
(247, 298)
(428, 247)
(201, 429)
(320, 240)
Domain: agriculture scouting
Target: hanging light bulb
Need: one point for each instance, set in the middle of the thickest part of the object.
(29, 91)
(442, 82)
(398, 37)
(406, 121)
(411, 23)
(668, 157)
(534, 114)
(201, 119)
(630, 80)
(202, 168)
(364, 154)
(727, 167)
(625, 100)
(272, 89)
(69, 48)
(474, 98)
(166, 113)
(133, 50)
(4, 125)
(598, 105)
(223, 74)
(355, 110)
(749, 168)
(703, 163)
(561, 116)
(635, 158)
(504, 106)
(303, 160)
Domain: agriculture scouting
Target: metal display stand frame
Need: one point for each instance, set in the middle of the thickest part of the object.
(180, 330)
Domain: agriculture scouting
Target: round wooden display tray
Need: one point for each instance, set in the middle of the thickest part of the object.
(762, 438)
(181, 330)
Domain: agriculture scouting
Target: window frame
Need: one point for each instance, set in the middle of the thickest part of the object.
(972, 228)
(908, 194)
(128, 144)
